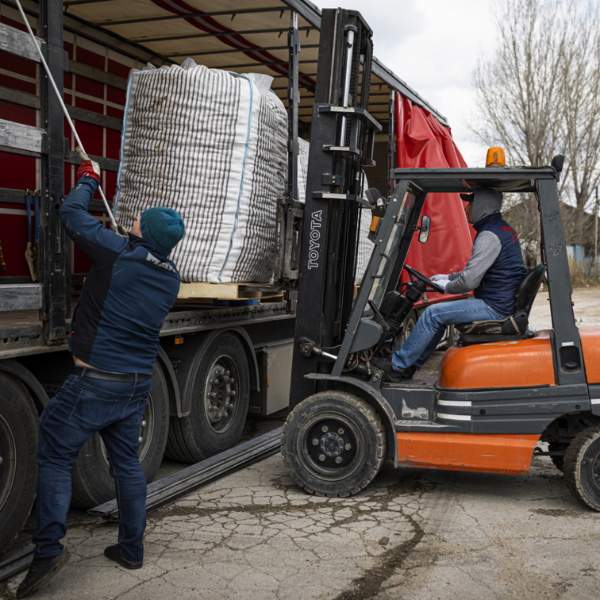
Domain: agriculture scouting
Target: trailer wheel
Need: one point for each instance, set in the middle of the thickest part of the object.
(582, 467)
(18, 471)
(333, 443)
(92, 483)
(220, 397)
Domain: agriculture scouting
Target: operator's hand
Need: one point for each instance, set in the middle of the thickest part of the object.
(88, 168)
(439, 277)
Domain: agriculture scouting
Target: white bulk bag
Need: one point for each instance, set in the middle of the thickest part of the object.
(211, 145)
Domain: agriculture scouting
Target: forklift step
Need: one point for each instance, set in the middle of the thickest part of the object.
(418, 425)
(419, 382)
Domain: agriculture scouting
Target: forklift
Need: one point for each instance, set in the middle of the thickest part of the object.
(502, 388)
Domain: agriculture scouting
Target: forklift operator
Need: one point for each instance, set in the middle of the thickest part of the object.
(114, 341)
(493, 273)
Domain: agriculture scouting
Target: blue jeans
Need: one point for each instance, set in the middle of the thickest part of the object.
(430, 328)
(82, 407)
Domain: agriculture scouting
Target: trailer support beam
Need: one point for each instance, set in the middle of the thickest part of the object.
(55, 247)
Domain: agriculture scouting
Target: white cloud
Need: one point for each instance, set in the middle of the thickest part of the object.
(433, 45)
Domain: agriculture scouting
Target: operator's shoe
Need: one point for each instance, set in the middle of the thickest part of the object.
(113, 553)
(391, 374)
(41, 571)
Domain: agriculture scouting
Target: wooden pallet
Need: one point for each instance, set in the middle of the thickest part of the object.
(203, 291)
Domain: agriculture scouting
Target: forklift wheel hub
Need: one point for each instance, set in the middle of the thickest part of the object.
(330, 445)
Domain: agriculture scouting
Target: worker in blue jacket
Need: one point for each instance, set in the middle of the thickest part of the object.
(129, 290)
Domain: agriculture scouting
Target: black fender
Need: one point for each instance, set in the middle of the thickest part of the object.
(375, 398)
(181, 403)
(37, 391)
(175, 409)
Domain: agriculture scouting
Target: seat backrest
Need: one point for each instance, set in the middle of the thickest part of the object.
(529, 287)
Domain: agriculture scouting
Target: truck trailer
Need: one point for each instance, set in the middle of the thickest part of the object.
(244, 329)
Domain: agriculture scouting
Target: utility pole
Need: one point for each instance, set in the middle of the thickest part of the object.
(596, 236)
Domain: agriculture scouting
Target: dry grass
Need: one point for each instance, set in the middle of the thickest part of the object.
(582, 274)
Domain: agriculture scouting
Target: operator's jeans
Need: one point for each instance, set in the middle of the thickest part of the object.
(431, 325)
(82, 407)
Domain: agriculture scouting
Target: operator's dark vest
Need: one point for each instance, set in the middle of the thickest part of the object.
(499, 285)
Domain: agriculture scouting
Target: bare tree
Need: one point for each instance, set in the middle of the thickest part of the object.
(581, 115)
(539, 95)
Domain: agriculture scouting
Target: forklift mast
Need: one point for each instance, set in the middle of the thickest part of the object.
(341, 144)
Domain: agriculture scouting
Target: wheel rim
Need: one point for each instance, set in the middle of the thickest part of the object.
(146, 433)
(146, 429)
(331, 446)
(596, 472)
(221, 388)
(8, 461)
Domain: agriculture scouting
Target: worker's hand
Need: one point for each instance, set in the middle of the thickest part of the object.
(439, 277)
(121, 231)
(88, 168)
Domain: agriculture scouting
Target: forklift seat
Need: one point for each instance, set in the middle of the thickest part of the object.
(514, 327)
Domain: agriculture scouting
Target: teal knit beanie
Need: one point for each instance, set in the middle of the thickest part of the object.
(162, 226)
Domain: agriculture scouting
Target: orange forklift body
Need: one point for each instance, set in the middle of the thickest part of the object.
(513, 364)
(508, 454)
(517, 363)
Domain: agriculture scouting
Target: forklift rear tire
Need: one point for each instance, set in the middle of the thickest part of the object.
(582, 467)
(91, 482)
(333, 444)
(18, 471)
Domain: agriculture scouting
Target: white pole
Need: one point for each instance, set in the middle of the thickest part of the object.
(596, 236)
(112, 219)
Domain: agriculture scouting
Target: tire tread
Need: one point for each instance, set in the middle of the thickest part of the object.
(374, 421)
(571, 464)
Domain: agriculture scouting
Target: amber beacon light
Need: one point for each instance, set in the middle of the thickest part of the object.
(495, 158)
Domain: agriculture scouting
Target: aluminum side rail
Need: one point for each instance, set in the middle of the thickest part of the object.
(191, 478)
(16, 563)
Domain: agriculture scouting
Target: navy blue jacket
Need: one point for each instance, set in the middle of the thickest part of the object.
(127, 294)
(499, 285)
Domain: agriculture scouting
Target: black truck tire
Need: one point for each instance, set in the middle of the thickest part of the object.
(18, 470)
(92, 483)
(582, 467)
(211, 427)
(333, 444)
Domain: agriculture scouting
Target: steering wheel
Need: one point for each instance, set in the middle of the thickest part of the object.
(414, 274)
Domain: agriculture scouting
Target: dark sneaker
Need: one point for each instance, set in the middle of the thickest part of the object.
(113, 553)
(41, 571)
(391, 375)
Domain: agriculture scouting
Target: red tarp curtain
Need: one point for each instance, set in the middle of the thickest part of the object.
(423, 142)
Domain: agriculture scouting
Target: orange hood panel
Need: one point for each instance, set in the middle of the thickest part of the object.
(590, 344)
(519, 363)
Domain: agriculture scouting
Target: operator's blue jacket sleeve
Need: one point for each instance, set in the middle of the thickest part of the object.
(127, 294)
(99, 243)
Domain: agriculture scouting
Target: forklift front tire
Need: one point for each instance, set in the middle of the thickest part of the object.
(333, 444)
(582, 467)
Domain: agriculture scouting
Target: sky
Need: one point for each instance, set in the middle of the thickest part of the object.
(433, 46)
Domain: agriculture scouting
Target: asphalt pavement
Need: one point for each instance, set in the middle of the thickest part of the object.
(412, 534)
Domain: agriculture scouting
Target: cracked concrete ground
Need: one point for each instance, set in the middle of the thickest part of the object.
(412, 534)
